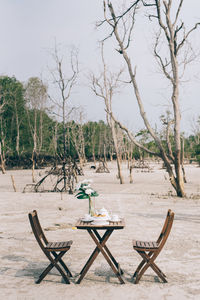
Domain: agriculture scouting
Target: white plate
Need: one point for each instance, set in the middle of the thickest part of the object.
(106, 218)
(101, 222)
(115, 220)
(87, 220)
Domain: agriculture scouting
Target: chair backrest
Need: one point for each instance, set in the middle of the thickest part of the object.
(37, 229)
(166, 229)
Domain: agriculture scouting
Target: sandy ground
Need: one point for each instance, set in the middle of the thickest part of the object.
(143, 204)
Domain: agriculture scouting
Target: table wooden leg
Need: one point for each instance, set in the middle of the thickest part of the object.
(109, 253)
(92, 257)
(101, 246)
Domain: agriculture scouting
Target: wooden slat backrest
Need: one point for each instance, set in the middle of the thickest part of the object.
(166, 229)
(37, 229)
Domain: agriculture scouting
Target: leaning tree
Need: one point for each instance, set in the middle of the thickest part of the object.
(173, 36)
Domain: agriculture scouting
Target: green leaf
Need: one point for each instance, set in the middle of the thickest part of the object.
(95, 194)
(83, 196)
(80, 193)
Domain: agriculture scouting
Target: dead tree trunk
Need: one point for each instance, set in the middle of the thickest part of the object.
(182, 159)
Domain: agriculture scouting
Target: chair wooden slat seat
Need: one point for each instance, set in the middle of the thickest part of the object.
(58, 246)
(150, 250)
(145, 245)
(54, 251)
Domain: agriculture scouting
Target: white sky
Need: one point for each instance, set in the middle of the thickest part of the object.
(28, 29)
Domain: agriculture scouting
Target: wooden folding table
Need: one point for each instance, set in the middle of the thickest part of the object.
(100, 242)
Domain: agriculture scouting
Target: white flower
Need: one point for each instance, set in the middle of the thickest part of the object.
(86, 186)
(78, 186)
(86, 181)
(89, 191)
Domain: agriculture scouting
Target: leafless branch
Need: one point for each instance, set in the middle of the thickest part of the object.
(118, 17)
(131, 136)
(162, 64)
(114, 20)
(131, 27)
(54, 101)
(178, 12)
(167, 122)
(160, 19)
(186, 36)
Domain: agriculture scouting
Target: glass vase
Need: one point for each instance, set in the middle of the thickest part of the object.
(91, 206)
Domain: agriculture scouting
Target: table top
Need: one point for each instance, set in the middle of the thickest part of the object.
(112, 225)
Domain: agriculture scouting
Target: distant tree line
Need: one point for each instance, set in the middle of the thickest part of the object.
(29, 132)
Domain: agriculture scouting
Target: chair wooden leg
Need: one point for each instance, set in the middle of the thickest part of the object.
(54, 263)
(138, 268)
(149, 263)
(142, 264)
(159, 270)
(63, 265)
(66, 268)
(153, 265)
(44, 273)
(62, 273)
(146, 265)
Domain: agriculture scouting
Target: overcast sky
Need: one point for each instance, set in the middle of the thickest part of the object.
(29, 28)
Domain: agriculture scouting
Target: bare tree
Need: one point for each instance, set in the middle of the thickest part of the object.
(2, 140)
(93, 138)
(104, 86)
(2, 150)
(78, 137)
(173, 35)
(36, 96)
(55, 140)
(64, 80)
(17, 125)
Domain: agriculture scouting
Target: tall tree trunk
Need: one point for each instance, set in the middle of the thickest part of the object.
(120, 176)
(182, 159)
(64, 149)
(41, 131)
(34, 146)
(18, 135)
(2, 158)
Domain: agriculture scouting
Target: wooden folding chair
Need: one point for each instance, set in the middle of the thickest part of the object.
(54, 251)
(150, 250)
